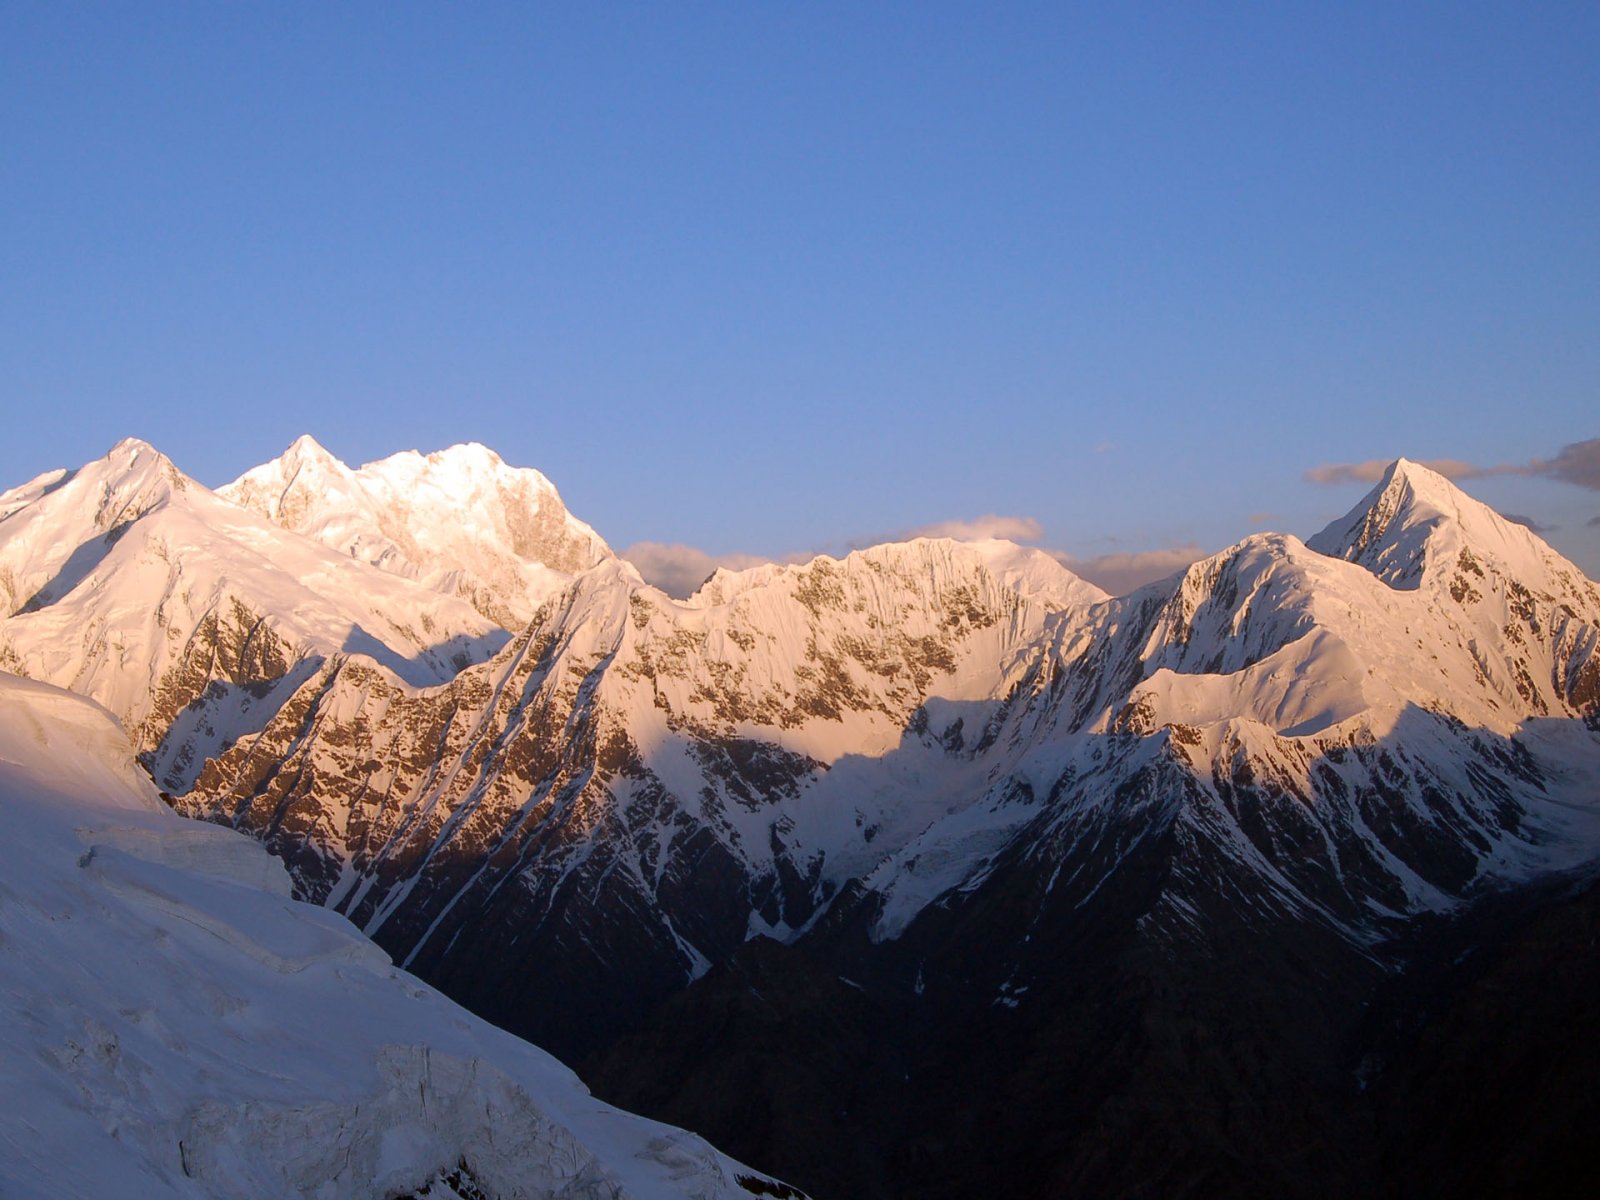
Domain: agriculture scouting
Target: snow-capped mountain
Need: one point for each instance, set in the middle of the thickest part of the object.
(953, 775)
(1230, 820)
(174, 1024)
(130, 583)
(643, 781)
(1372, 741)
(459, 520)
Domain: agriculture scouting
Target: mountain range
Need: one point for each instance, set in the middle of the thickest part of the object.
(928, 871)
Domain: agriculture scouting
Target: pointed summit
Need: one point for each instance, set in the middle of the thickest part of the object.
(133, 478)
(1391, 530)
(306, 448)
(1417, 525)
(304, 479)
(131, 446)
(135, 454)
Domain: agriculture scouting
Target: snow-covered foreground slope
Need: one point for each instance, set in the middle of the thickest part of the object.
(173, 1024)
(459, 520)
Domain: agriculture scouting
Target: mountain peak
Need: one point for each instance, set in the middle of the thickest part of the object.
(306, 448)
(136, 454)
(1394, 526)
(132, 478)
(304, 477)
(460, 519)
(131, 445)
(1424, 482)
(1415, 516)
(469, 453)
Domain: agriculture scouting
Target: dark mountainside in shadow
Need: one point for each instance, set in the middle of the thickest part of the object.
(1259, 1056)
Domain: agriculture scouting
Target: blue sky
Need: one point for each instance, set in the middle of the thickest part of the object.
(774, 278)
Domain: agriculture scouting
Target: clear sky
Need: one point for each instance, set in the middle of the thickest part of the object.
(767, 278)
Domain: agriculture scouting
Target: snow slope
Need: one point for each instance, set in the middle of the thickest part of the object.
(459, 520)
(130, 583)
(173, 1024)
(1372, 727)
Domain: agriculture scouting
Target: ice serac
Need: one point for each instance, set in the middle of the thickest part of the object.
(459, 520)
(172, 1024)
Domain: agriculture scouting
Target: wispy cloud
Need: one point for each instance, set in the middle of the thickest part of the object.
(678, 569)
(1528, 522)
(991, 525)
(1372, 470)
(1577, 463)
(1593, 523)
(1120, 574)
(1262, 518)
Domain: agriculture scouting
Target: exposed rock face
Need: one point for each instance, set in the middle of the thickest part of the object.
(1100, 857)
(618, 798)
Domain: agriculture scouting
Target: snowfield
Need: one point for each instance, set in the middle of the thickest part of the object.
(173, 1024)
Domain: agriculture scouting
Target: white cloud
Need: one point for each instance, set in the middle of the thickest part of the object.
(991, 525)
(1120, 574)
(1577, 463)
(1372, 470)
(678, 569)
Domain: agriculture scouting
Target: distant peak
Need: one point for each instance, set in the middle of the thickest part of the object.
(305, 446)
(136, 456)
(132, 446)
(1415, 512)
(471, 451)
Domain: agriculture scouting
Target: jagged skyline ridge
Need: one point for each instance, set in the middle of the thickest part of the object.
(790, 282)
(284, 615)
(679, 569)
(357, 510)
